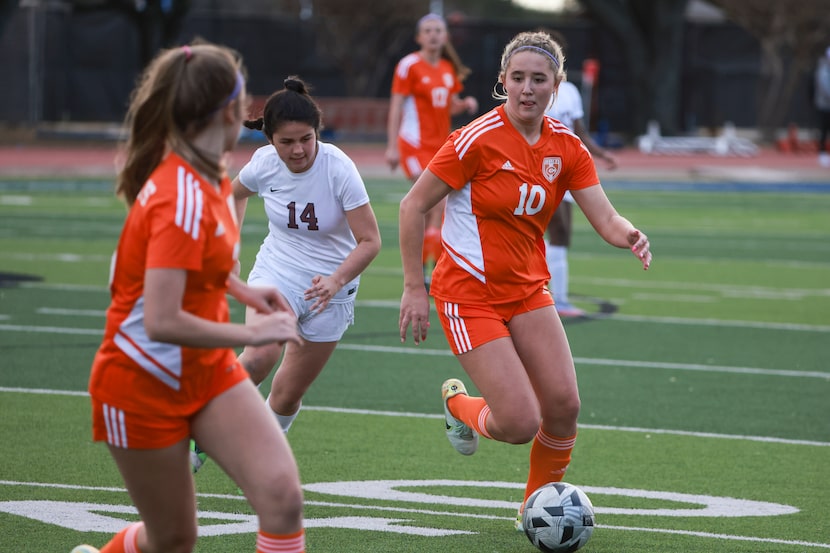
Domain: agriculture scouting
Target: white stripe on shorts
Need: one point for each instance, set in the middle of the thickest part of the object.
(116, 429)
(458, 328)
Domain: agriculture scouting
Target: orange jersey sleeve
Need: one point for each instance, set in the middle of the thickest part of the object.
(179, 222)
(427, 91)
(504, 193)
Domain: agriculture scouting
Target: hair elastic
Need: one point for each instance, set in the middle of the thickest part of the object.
(188, 53)
(538, 50)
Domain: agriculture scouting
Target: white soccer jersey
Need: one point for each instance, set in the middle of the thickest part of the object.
(567, 108)
(308, 233)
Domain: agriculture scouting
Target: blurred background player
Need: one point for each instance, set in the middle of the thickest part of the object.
(503, 176)
(567, 108)
(322, 234)
(166, 370)
(426, 90)
(822, 103)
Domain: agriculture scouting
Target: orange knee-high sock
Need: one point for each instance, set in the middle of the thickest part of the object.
(276, 543)
(549, 459)
(125, 541)
(472, 411)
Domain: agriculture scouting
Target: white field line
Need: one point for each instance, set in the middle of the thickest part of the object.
(393, 304)
(429, 512)
(727, 290)
(736, 290)
(404, 414)
(396, 350)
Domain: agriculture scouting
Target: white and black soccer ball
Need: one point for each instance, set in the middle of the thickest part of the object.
(558, 517)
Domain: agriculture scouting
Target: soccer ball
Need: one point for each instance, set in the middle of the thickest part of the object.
(558, 517)
(84, 549)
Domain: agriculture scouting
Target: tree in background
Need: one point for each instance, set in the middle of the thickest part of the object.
(7, 8)
(366, 37)
(792, 35)
(650, 33)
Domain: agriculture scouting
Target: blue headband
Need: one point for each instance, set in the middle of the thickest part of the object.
(237, 89)
(430, 17)
(537, 50)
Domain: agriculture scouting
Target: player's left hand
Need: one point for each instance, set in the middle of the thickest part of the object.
(323, 288)
(471, 104)
(640, 247)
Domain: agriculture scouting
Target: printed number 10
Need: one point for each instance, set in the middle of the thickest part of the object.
(530, 202)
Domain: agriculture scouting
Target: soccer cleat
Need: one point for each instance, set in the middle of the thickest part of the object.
(518, 524)
(463, 438)
(568, 311)
(197, 457)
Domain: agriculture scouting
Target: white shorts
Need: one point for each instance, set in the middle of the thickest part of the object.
(326, 326)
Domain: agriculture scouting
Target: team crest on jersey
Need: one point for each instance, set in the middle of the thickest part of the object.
(551, 167)
(448, 80)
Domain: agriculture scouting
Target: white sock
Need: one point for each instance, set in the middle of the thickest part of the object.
(557, 258)
(283, 420)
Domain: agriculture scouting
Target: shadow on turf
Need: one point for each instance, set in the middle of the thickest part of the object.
(8, 280)
(604, 310)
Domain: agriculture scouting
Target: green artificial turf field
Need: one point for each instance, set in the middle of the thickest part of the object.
(705, 386)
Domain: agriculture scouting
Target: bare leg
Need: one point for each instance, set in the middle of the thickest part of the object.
(237, 431)
(161, 488)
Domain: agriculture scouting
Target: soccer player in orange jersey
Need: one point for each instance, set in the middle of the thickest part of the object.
(426, 90)
(503, 175)
(166, 371)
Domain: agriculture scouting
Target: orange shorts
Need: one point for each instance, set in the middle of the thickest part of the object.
(153, 429)
(414, 160)
(469, 326)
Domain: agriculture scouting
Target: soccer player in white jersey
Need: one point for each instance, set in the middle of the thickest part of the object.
(322, 234)
(566, 107)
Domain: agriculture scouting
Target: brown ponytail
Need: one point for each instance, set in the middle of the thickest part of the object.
(175, 98)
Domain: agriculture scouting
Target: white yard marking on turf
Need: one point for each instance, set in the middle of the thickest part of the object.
(406, 414)
(65, 257)
(689, 298)
(53, 330)
(725, 290)
(70, 513)
(400, 490)
(720, 322)
(611, 362)
(394, 304)
(11, 199)
(71, 312)
(446, 353)
(717, 536)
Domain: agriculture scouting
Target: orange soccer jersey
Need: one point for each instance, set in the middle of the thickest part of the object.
(505, 192)
(179, 222)
(426, 111)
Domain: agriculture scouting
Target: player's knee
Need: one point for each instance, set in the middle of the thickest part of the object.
(280, 502)
(564, 410)
(259, 361)
(521, 428)
(523, 434)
